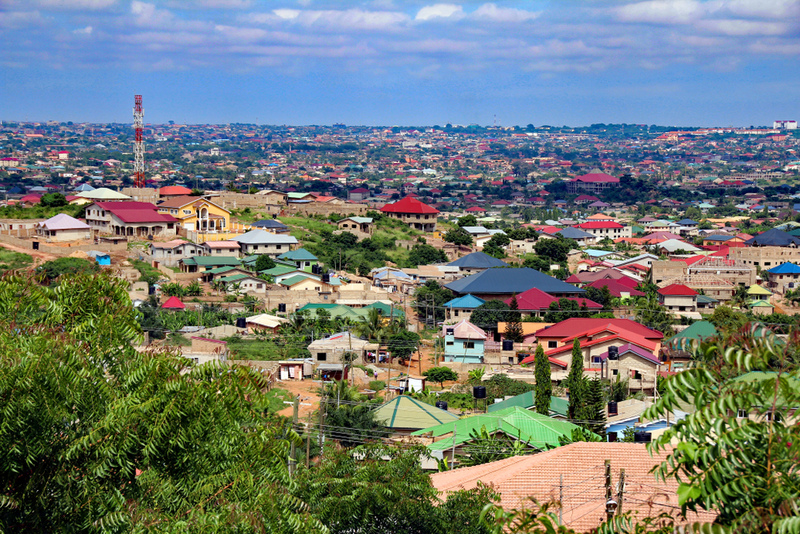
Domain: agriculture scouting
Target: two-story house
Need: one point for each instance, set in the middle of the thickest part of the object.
(414, 213)
(463, 343)
(678, 298)
(197, 213)
(263, 242)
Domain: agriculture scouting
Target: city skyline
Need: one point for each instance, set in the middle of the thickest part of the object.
(384, 62)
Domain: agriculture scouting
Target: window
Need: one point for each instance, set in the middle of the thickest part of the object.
(322, 356)
(774, 416)
(449, 343)
(741, 414)
(448, 332)
(469, 344)
(552, 344)
(614, 372)
(259, 286)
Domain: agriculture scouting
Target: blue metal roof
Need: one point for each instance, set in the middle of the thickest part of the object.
(467, 301)
(785, 268)
(513, 280)
(477, 260)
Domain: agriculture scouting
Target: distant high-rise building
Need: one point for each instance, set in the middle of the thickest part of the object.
(785, 125)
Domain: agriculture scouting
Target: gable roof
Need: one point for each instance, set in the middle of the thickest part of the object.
(577, 466)
(595, 177)
(785, 268)
(409, 413)
(527, 401)
(477, 260)
(697, 331)
(173, 303)
(512, 280)
(62, 221)
(103, 193)
(174, 190)
(616, 287)
(468, 301)
(636, 350)
(300, 254)
(535, 299)
(262, 237)
(537, 430)
(677, 290)
(773, 238)
(270, 223)
(570, 327)
(467, 330)
(410, 205)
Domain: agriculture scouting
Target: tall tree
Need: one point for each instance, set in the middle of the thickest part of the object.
(594, 408)
(576, 382)
(514, 324)
(544, 385)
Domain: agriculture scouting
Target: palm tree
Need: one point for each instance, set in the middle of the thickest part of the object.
(371, 325)
(739, 297)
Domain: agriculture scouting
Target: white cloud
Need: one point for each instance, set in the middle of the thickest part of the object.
(149, 15)
(776, 9)
(503, 14)
(20, 19)
(661, 11)
(738, 27)
(210, 4)
(83, 31)
(349, 19)
(76, 4)
(440, 11)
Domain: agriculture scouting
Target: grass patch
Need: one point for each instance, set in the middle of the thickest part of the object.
(149, 274)
(276, 398)
(178, 340)
(10, 260)
(262, 349)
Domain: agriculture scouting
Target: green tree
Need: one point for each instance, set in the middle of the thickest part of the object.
(593, 412)
(544, 384)
(652, 314)
(173, 289)
(514, 325)
(576, 382)
(98, 437)
(264, 262)
(53, 269)
(359, 491)
(747, 473)
(424, 254)
(561, 310)
(429, 301)
(483, 447)
(488, 314)
(555, 250)
(53, 200)
(194, 289)
(403, 344)
(458, 236)
(440, 375)
(467, 220)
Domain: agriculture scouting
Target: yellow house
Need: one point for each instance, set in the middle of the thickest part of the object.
(197, 214)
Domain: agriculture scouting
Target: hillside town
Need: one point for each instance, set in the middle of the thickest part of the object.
(514, 301)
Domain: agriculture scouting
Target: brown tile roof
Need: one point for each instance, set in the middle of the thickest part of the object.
(177, 202)
(582, 494)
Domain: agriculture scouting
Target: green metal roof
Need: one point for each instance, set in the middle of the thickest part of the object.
(407, 412)
(537, 430)
(300, 254)
(278, 270)
(386, 309)
(336, 310)
(212, 261)
(527, 401)
(696, 331)
(220, 270)
(234, 278)
(292, 280)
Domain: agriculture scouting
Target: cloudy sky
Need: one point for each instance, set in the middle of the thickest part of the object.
(394, 62)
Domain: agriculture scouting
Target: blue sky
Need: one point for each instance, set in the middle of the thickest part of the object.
(392, 62)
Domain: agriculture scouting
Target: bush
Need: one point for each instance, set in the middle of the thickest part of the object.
(377, 385)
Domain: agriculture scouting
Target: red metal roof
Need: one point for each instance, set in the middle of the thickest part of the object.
(173, 303)
(409, 205)
(677, 289)
(569, 327)
(596, 177)
(617, 287)
(172, 190)
(535, 299)
(598, 224)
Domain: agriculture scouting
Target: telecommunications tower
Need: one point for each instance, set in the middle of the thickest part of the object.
(138, 144)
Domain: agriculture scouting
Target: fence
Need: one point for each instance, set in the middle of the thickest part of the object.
(64, 249)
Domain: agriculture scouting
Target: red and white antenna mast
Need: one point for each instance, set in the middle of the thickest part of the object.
(138, 144)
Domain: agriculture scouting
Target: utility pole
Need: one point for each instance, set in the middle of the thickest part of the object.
(293, 451)
(321, 434)
(620, 490)
(561, 498)
(609, 510)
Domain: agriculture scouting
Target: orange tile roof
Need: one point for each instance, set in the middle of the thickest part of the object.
(582, 495)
